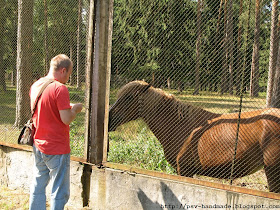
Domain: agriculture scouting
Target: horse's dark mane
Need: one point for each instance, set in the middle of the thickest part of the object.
(183, 108)
(160, 97)
(131, 87)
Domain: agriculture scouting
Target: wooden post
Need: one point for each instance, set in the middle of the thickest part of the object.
(101, 81)
(89, 69)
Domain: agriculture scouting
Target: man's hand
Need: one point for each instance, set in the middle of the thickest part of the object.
(77, 108)
(68, 115)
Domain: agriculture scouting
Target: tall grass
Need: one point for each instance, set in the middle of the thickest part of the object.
(143, 150)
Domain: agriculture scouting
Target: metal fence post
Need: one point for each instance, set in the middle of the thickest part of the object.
(101, 81)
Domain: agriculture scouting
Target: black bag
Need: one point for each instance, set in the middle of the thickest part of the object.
(27, 133)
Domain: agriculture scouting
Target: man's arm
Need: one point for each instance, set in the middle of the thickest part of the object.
(68, 115)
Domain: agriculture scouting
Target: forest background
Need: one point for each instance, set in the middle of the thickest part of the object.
(190, 48)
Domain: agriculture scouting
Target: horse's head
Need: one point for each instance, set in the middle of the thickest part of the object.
(128, 104)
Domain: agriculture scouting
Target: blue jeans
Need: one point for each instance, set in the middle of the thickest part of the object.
(50, 167)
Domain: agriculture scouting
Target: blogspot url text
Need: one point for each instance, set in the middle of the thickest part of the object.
(217, 206)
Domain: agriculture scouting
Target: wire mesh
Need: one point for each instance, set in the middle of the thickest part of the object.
(196, 77)
(59, 27)
(212, 60)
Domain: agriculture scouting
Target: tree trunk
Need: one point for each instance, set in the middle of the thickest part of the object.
(224, 75)
(254, 81)
(46, 37)
(219, 16)
(24, 60)
(273, 51)
(215, 53)
(239, 53)
(71, 57)
(2, 66)
(230, 46)
(79, 44)
(198, 44)
(14, 47)
(275, 102)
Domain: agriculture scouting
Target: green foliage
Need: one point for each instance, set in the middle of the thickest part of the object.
(8, 106)
(152, 39)
(155, 41)
(144, 151)
(77, 138)
(148, 35)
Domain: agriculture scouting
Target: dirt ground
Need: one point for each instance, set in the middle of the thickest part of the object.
(19, 200)
(13, 199)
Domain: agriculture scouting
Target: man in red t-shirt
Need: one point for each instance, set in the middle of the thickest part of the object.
(51, 146)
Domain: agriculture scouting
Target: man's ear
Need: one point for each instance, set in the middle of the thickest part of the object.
(63, 70)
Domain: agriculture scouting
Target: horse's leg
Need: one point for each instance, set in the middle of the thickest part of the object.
(185, 167)
(273, 177)
(272, 167)
(271, 156)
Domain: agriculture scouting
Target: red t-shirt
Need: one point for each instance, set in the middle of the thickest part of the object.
(51, 135)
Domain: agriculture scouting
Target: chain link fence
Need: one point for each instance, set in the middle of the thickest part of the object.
(203, 69)
(58, 27)
(208, 64)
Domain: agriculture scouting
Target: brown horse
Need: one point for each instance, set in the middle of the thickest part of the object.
(196, 141)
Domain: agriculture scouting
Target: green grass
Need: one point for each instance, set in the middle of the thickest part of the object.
(143, 150)
(8, 133)
(214, 102)
(77, 139)
(133, 143)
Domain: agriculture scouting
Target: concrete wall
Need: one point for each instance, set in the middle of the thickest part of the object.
(113, 189)
(16, 168)
(118, 189)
